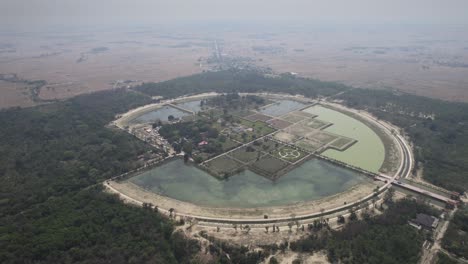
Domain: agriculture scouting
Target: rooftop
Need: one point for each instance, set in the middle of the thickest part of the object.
(427, 221)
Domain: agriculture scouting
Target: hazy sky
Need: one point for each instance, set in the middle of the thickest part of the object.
(34, 13)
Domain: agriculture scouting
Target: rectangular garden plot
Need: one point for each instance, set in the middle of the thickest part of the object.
(266, 145)
(246, 154)
(269, 167)
(300, 130)
(285, 137)
(258, 117)
(228, 144)
(293, 118)
(291, 154)
(324, 137)
(342, 143)
(316, 124)
(308, 144)
(246, 130)
(223, 166)
(279, 123)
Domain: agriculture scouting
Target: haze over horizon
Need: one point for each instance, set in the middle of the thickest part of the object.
(39, 14)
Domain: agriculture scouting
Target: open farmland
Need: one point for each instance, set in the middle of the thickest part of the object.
(83, 62)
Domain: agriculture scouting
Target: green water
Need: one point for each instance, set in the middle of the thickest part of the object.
(368, 153)
(312, 180)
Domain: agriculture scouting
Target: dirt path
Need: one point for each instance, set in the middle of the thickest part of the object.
(430, 255)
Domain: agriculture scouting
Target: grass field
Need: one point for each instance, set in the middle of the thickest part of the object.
(229, 144)
(223, 165)
(300, 130)
(266, 145)
(269, 166)
(324, 137)
(289, 154)
(245, 156)
(259, 129)
(315, 123)
(279, 123)
(308, 144)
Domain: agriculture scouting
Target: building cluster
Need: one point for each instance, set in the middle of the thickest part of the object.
(151, 135)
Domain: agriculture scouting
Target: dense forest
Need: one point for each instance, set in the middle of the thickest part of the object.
(90, 226)
(386, 238)
(52, 155)
(52, 209)
(456, 237)
(233, 80)
(54, 149)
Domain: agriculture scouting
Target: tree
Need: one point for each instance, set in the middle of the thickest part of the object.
(352, 215)
(212, 133)
(388, 197)
(273, 260)
(171, 211)
(341, 219)
(222, 138)
(170, 118)
(187, 147)
(244, 136)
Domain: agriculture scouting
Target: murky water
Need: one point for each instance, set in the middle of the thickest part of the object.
(159, 114)
(282, 107)
(191, 105)
(368, 153)
(312, 180)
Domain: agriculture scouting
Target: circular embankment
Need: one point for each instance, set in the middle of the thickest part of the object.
(301, 212)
